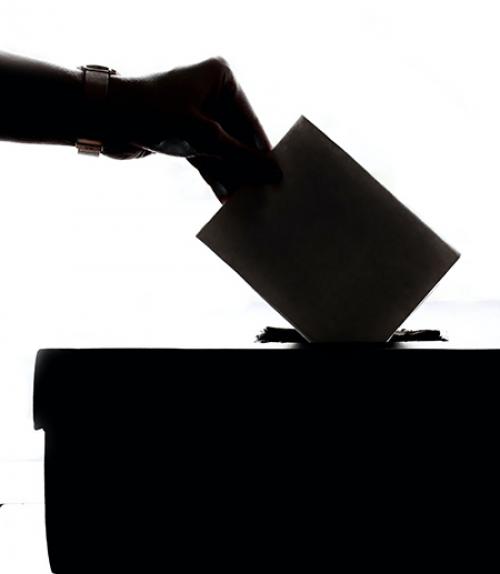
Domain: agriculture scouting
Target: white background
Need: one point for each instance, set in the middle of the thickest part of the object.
(103, 252)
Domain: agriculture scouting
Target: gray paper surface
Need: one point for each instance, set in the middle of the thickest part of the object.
(329, 247)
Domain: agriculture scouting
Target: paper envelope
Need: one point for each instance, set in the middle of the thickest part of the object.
(329, 247)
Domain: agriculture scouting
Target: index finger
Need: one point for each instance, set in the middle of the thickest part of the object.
(236, 115)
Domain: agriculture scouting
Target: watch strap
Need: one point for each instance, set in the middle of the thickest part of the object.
(95, 91)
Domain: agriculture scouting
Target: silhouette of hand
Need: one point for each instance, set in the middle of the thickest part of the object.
(199, 112)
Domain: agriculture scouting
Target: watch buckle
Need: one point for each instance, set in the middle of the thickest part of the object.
(89, 147)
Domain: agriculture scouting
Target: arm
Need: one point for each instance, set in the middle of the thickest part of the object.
(39, 102)
(199, 112)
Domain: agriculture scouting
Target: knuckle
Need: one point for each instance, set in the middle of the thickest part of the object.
(214, 130)
(220, 65)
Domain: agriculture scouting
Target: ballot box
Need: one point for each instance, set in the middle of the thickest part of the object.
(253, 458)
(260, 458)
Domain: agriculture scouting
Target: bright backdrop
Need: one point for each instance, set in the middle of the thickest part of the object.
(103, 253)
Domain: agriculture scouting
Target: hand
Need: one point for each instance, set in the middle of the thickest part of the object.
(199, 112)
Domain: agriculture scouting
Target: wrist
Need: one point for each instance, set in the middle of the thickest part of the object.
(61, 125)
(123, 105)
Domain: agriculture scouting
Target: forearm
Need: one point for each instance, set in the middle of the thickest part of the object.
(197, 111)
(44, 103)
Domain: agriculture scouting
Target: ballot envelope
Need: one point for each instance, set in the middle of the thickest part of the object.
(329, 248)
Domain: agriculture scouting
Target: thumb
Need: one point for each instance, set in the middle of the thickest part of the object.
(212, 139)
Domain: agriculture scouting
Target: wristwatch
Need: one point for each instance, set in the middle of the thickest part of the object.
(95, 91)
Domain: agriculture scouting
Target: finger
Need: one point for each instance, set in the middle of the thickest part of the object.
(237, 116)
(227, 172)
(223, 176)
(211, 139)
